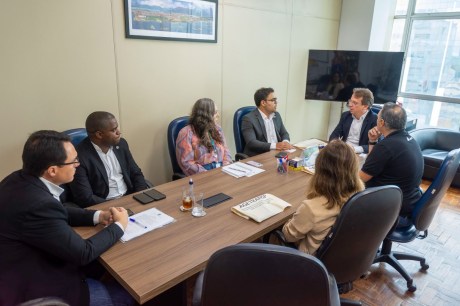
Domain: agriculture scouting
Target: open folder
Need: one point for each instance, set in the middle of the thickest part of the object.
(144, 222)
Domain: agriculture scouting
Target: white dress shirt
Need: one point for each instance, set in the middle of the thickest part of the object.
(117, 186)
(355, 131)
(270, 129)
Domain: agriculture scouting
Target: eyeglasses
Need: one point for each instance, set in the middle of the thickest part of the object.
(353, 102)
(274, 100)
(76, 161)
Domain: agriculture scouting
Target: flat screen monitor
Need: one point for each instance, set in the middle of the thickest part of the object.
(332, 74)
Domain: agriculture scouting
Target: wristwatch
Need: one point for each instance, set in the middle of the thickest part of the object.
(372, 143)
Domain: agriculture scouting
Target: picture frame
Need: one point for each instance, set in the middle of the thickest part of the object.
(183, 20)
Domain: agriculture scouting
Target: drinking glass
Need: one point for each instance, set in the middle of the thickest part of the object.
(198, 209)
(187, 199)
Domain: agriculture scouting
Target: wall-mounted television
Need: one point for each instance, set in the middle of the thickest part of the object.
(332, 74)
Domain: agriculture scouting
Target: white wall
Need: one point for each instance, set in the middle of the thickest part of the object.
(60, 60)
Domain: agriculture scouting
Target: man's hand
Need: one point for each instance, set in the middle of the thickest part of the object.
(105, 217)
(283, 145)
(119, 214)
(373, 134)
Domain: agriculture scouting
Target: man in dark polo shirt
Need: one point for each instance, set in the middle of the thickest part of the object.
(395, 160)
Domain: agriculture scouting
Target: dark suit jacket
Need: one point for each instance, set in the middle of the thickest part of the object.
(91, 184)
(343, 128)
(41, 255)
(255, 135)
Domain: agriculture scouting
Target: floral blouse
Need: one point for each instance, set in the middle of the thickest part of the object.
(192, 155)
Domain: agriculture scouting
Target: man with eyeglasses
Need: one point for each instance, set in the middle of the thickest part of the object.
(355, 124)
(41, 255)
(107, 168)
(263, 129)
(394, 160)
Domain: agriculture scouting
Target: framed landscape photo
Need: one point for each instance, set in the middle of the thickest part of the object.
(189, 20)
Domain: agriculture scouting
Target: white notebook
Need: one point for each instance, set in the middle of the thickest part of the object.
(145, 222)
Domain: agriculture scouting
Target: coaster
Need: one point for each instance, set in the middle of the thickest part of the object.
(184, 209)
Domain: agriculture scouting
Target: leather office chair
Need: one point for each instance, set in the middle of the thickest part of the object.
(76, 135)
(422, 216)
(239, 139)
(173, 130)
(45, 301)
(435, 144)
(350, 247)
(263, 274)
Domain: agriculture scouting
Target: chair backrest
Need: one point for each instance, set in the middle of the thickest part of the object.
(174, 128)
(76, 135)
(349, 249)
(426, 207)
(263, 274)
(237, 118)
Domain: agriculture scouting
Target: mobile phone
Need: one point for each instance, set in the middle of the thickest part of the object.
(142, 198)
(155, 194)
(215, 199)
(130, 212)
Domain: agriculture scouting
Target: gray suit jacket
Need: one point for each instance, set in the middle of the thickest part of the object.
(255, 135)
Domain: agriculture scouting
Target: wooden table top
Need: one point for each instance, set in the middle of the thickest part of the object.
(158, 260)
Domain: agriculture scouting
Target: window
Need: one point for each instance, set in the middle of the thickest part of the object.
(429, 33)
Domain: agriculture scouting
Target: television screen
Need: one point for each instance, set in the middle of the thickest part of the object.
(332, 74)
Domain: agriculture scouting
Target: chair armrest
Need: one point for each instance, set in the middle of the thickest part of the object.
(198, 290)
(149, 183)
(240, 156)
(178, 176)
(278, 234)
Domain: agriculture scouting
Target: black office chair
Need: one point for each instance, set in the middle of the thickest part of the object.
(76, 135)
(422, 216)
(45, 301)
(239, 139)
(350, 247)
(173, 130)
(263, 274)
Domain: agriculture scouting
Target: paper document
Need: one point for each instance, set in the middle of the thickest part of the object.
(144, 222)
(239, 169)
(261, 207)
(309, 142)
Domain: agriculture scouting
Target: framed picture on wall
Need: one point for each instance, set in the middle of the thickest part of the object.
(188, 20)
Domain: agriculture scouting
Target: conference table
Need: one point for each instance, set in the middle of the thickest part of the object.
(152, 263)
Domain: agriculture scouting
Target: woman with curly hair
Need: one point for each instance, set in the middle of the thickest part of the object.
(200, 145)
(335, 180)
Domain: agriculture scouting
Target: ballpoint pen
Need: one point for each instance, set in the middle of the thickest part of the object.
(237, 169)
(137, 222)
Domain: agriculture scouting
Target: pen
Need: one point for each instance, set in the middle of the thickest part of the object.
(137, 222)
(237, 169)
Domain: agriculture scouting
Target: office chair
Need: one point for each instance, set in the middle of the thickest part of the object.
(76, 135)
(350, 247)
(239, 139)
(174, 128)
(421, 218)
(45, 301)
(263, 274)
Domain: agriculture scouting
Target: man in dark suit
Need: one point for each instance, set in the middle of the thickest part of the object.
(263, 129)
(41, 255)
(355, 124)
(107, 168)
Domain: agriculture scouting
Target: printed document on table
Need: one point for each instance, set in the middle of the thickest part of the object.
(145, 222)
(239, 169)
(309, 142)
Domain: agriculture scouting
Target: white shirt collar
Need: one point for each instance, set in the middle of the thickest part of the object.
(362, 116)
(272, 115)
(55, 190)
(98, 149)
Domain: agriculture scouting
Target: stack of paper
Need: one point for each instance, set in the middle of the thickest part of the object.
(240, 169)
(145, 222)
(309, 142)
